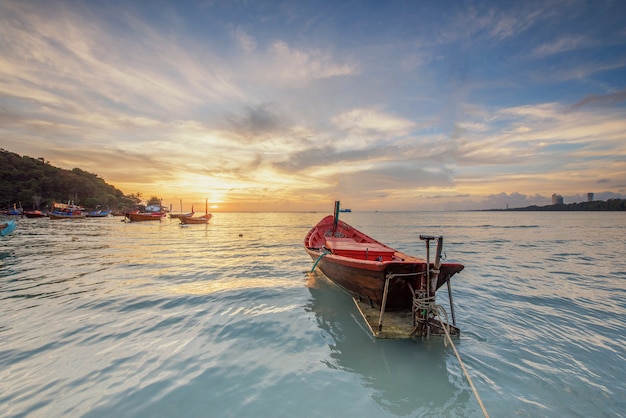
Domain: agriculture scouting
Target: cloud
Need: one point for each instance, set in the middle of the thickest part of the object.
(327, 156)
(560, 45)
(255, 122)
(307, 65)
(601, 100)
(245, 41)
(540, 149)
(369, 122)
(482, 22)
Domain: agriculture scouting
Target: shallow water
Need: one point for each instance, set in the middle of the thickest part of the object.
(103, 318)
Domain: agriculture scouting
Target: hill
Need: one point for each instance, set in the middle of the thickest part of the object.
(34, 183)
(596, 206)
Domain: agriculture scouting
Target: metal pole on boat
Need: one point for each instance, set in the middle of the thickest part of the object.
(384, 303)
(336, 219)
(424, 290)
(426, 315)
(437, 265)
(427, 239)
(450, 299)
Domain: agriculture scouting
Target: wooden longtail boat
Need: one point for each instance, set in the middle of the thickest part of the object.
(35, 214)
(67, 211)
(66, 215)
(99, 214)
(181, 214)
(384, 282)
(7, 227)
(204, 219)
(144, 216)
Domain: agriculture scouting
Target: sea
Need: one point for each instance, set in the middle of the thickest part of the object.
(103, 318)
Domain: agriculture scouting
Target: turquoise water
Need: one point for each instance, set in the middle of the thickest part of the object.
(103, 318)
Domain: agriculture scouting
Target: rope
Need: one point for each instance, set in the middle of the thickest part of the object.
(394, 275)
(467, 376)
(428, 305)
(318, 260)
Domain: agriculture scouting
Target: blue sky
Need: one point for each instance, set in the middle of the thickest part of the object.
(268, 105)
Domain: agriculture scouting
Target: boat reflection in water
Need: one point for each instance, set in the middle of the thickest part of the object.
(408, 377)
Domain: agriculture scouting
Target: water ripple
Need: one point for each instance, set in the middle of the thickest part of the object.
(103, 318)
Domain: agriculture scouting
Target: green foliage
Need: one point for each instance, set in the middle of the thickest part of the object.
(36, 184)
(154, 200)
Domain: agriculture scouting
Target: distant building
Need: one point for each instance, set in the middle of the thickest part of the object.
(557, 199)
(589, 197)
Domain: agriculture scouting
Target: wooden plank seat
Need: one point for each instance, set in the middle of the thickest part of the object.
(347, 247)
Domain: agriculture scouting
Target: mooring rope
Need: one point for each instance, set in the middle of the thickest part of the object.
(427, 305)
(318, 260)
(467, 376)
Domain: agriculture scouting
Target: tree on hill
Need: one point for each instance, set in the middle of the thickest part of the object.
(34, 183)
(154, 200)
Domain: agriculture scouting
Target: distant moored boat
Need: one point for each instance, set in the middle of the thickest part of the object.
(7, 227)
(204, 219)
(35, 214)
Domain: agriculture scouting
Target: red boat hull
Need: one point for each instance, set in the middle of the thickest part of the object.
(361, 265)
(142, 217)
(35, 214)
(190, 220)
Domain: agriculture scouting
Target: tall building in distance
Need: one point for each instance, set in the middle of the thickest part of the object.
(557, 199)
(589, 197)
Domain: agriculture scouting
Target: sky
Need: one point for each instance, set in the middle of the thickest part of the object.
(291, 105)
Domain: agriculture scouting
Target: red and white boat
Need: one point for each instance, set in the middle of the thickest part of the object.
(381, 278)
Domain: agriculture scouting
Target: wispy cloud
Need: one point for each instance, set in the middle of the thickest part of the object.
(560, 45)
(313, 64)
(247, 43)
(601, 100)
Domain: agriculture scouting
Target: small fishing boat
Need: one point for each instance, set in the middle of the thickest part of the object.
(153, 212)
(67, 211)
(35, 214)
(15, 211)
(386, 284)
(7, 227)
(204, 219)
(98, 214)
(181, 214)
(144, 216)
(67, 215)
